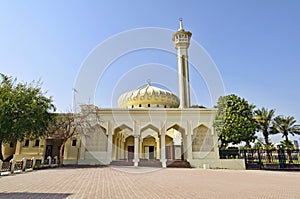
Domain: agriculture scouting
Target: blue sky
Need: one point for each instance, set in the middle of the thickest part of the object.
(254, 44)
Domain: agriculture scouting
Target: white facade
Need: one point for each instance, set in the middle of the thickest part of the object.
(112, 132)
(152, 125)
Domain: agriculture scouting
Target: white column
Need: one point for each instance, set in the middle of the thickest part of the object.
(157, 149)
(163, 145)
(109, 141)
(141, 148)
(114, 149)
(189, 141)
(136, 132)
(120, 149)
(136, 150)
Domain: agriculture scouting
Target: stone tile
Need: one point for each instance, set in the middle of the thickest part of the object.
(128, 182)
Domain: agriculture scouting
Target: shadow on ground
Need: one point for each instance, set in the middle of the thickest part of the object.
(21, 195)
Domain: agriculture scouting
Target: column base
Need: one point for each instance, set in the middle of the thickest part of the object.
(135, 163)
(164, 163)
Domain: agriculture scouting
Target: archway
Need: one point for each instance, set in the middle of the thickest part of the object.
(122, 143)
(175, 143)
(149, 143)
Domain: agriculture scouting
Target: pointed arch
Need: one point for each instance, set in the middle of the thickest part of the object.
(150, 126)
(122, 127)
(178, 128)
(202, 139)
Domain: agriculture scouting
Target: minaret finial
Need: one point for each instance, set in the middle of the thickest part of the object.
(180, 24)
(149, 82)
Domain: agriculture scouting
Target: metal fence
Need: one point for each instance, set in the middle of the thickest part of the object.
(14, 166)
(265, 159)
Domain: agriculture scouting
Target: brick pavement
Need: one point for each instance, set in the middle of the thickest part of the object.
(124, 182)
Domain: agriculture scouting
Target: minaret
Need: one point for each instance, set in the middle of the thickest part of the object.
(181, 39)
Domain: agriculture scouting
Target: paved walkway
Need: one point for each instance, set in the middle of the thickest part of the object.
(122, 182)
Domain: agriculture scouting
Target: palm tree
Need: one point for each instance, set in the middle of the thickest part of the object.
(285, 126)
(263, 118)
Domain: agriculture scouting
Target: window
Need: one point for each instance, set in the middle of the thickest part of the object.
(132, 106)
(26, 144)
(157, 105)
(74, 142)
(148, 105)
(11, 145)
(140, 105)
(37, 143)
(165, 106)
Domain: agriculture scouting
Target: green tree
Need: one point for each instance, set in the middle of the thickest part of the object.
(290, 144)
(25, 111)
(263, 118)
(286, 126)
(234, 121)
(259, 144)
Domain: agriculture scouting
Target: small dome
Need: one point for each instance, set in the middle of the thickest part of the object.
(148, 96)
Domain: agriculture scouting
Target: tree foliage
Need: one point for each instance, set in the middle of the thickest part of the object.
(285, 126)
(234, 121)
(25, 111)
(263, 118)
(284, 145)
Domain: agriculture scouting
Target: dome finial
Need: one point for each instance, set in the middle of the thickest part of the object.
(149, 82)
(180, 24)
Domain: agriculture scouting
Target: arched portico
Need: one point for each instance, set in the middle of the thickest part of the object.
(149, 143)
(176, 143)
(121, 144)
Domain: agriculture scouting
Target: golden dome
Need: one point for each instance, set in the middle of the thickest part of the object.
(148, 96)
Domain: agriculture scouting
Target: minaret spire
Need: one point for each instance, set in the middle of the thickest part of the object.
(181, 39)
(180, 24)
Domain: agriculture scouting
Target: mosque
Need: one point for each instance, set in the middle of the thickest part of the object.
(151, 127)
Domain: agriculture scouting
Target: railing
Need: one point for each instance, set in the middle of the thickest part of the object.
(231, 154)
(14, 166)
(265, 159)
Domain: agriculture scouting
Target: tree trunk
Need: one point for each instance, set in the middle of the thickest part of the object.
(288, 149)
(267, 148)
(247, 146)
(1, 156)
(61, 153)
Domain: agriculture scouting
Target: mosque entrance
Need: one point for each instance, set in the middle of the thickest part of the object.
(151, 152)
(130, 152)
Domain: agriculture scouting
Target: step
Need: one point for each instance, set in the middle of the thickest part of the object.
(178, 164)
(150, 163)
(122, 163)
